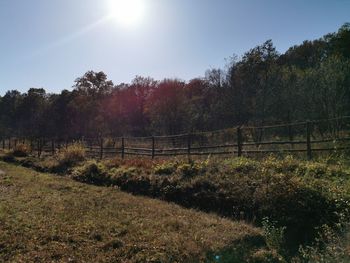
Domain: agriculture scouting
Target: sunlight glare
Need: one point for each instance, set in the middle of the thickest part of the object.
(127, 13)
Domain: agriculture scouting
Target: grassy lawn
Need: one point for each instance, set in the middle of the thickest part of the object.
(46, 218)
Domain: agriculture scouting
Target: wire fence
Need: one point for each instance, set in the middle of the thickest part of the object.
(305, 138)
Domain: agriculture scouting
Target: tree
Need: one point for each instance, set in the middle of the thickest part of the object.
(166, 108)
(252, 80)
(198, 104)
(9, 117)
(31, 112)
(87, 104)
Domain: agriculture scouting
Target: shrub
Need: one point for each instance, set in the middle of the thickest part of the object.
(186, 169)
(50, 164)
(92, 172)
(166, 168)
(72, 155)
(123, 171)
(274, 236)
(21, 150)
(286, 165)
(292, 166)
(297, 204)
(144, 163)
(241, 165)
(266, 256)
(192, 168)
(330, 246)
(286, 198)
(321, 170)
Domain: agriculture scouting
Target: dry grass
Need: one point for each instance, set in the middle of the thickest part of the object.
(54, 219)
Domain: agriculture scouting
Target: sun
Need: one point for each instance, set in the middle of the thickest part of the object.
(127, 13)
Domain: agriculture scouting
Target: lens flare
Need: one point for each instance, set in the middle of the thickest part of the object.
(127, 13)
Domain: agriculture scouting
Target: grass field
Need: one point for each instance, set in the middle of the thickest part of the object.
(293, 210)
(46, 218)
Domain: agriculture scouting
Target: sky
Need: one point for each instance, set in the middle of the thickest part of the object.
(49, 43)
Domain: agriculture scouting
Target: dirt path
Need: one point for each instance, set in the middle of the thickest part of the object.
(2, 172)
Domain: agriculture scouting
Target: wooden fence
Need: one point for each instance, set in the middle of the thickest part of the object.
(307, 138)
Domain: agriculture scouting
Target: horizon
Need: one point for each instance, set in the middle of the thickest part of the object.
(49, 45)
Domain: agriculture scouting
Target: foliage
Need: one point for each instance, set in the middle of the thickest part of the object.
(274, 235)
(331, 246)
(270, 256)
(185, 169)
(71, 155)
(298, 197)
(241, 164)
(145, 163)
(240, 188)
(192, 168)
(308, 81)
(91, 172)
(166, 168)
(21, 150)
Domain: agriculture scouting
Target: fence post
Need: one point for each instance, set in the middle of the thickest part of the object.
(101, 149)
(308, 140)
(239, 142)
(153, 147)
(123, 147)
(9, 143)
(3, 144)
(189, 146)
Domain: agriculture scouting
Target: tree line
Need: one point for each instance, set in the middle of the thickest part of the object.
(309, 81)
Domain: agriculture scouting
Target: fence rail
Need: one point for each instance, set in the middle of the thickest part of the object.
(303, 137)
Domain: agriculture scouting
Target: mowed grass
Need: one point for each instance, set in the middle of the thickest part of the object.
(46, 218)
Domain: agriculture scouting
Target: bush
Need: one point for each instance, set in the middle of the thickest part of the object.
(186, 169)
(286, 165)
(72, 155)
(274, 236)
(144, 163)
(331, 246)
(238, 189)
(292, 166)
(241, 165)
(297, 202)
(166, 168)
(266, 256)
(124, 171)
(21, 150)
(192, 168)
(92, 172)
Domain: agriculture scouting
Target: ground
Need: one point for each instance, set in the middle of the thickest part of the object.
(47, 218)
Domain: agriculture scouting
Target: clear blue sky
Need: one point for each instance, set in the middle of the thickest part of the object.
(49, 43)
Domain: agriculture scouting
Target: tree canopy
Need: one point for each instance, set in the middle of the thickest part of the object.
(308, 81)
